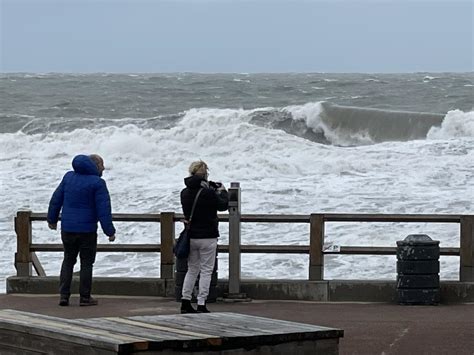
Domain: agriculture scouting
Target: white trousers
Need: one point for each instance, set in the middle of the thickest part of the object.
(202, 257)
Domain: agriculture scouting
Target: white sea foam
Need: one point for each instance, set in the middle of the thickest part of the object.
(456, 124)
(279, 173)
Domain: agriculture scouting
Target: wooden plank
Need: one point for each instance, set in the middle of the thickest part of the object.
(234, 241)
(138, 248)
(140, 329)
(356, 250)
(238, 325)
(188, 332)
(278, 249)
(167, 236)
(23, 228)
(285, 218)
(251, 249)
(276, 218)
(245, 331)
(316, 241)
(193, 323)
(119, 217)
(67, 330)
(172, 330)
(25, 343)
(263, 324)
(408, 218)
(466, 272)
(37, 264)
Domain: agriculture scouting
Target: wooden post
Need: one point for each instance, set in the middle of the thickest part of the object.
(167, 242)
(23, 260)
(234, 239)
(316, 240)
(466, 250)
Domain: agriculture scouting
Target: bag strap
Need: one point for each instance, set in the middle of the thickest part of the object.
(194, 206)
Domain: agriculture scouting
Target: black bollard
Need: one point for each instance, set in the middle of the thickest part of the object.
(418, 270)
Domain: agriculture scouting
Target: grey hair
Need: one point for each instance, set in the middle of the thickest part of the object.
(97, 159)
(198, 168)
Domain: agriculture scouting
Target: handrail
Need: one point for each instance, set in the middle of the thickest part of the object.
(245, 248)
(155, 217)
(286, 218)
(26, 257)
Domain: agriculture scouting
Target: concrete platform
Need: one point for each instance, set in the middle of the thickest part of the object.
(369, 328)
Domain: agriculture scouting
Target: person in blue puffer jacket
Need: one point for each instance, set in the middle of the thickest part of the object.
(84, 199)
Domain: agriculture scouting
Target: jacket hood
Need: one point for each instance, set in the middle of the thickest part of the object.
(193, 181)
(84, 165)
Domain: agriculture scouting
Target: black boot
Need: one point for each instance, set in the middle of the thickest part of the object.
(88, 301)
(186, 307)
(203, 309)
(64, 301)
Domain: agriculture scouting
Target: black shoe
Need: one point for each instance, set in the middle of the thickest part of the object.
(88, 302)
(64, 301)
(203, 309)
(186, 307)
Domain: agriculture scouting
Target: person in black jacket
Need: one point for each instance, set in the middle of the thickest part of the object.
(203, 231)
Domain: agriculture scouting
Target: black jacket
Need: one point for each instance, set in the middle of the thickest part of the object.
(205, 222)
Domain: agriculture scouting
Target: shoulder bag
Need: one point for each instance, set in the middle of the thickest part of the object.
(182, 246)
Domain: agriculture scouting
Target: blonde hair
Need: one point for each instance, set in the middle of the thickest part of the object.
(198, 168)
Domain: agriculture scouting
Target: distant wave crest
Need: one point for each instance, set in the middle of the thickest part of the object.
(344, 125)
(319, 122)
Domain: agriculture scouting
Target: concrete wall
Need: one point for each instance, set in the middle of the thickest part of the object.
(324, 291)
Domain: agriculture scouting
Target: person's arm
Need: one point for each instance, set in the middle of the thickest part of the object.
(55, 205)
(104, 210)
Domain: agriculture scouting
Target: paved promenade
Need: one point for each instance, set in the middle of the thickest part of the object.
(369, 328)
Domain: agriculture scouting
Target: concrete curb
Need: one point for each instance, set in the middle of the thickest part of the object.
(323, 291)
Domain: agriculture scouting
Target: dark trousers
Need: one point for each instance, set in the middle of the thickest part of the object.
(84, 245)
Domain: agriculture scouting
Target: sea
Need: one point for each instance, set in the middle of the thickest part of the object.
(298, 143)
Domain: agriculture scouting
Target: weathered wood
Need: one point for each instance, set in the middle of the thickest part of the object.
(466, 272)
(138, 248)
(304, 249)
(167, 241)
(297, 218)
(23, 261)
(37, 264)
(351, 250)
(409, 218)
(275, 218)
(68, 331)
(316, 241)
(190, 333)
(234, 240)
(255, 249)
(264, 249)
(118, 217)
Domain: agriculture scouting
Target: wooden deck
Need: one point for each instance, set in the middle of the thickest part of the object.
(221, 333)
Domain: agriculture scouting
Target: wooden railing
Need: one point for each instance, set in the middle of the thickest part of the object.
(26, 258)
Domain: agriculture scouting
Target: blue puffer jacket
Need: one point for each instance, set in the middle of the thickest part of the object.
(84, 199)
